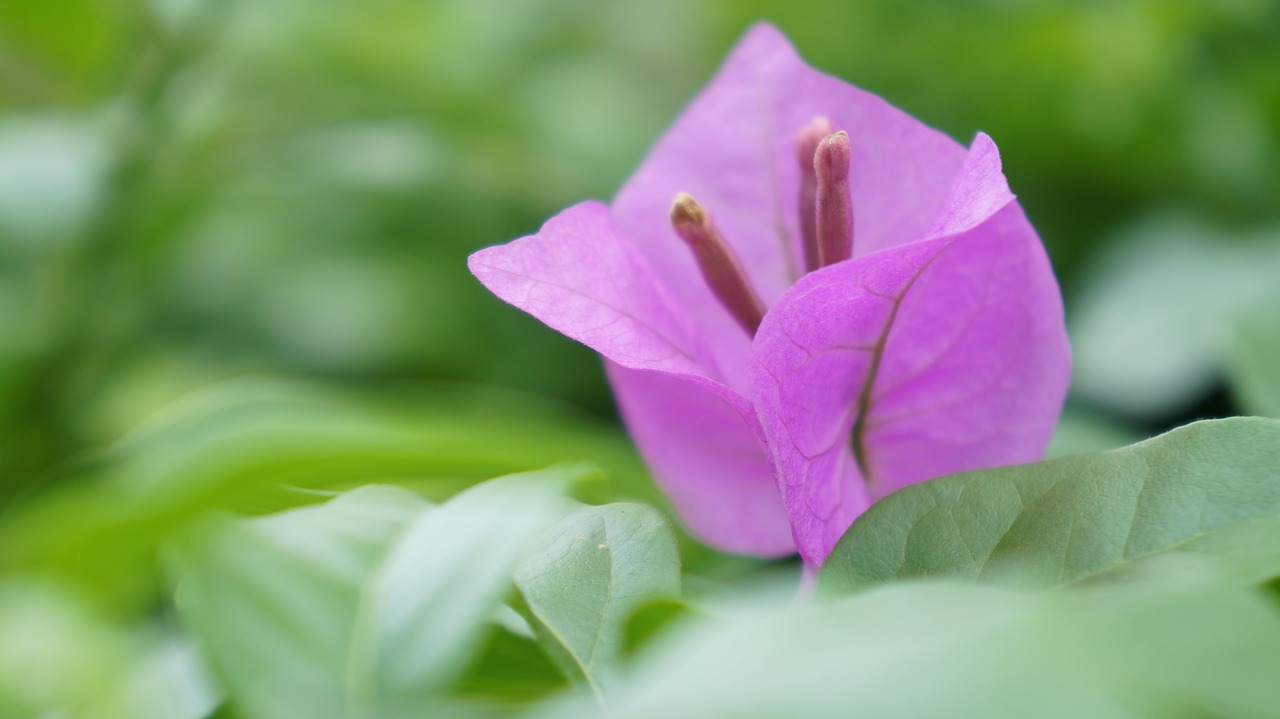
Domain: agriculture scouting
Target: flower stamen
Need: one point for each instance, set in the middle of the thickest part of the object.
(720, 266)
(834, 207)
(807, 141)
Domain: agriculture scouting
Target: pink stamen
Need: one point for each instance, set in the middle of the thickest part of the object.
(807, 141)
(720, 267)
(834, 216)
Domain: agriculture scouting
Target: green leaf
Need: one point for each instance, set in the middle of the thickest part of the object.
(1255, 363)
(1208, 491)
(273, 600)
(369, 605)
(423, 611)
(945, 650)
(588, 574)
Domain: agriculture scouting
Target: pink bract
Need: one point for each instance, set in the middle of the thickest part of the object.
(938, 348)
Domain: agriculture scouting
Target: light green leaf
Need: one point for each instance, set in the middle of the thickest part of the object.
(1151, 325)
(169, 681)
(1209, 491)
(51, 174)
(943, 650)
(61, 658)
(57, 658)
(369, 605)
(1255, 363)
(588, 574)
(422, 612)
(273, 600)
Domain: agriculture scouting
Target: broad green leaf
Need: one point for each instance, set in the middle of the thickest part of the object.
(1255, 363)
(273, 600)
(588, 574)
(1209, 491)
(943, 650)
(422, 612)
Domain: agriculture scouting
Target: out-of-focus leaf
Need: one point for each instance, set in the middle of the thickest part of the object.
(272, 601)
(58, 657)
(1151, 328)
(510, 667)
(943, 650)
(242, 445)
(589, 573)
(1082, 431)
(168, 681)
(1206, 494)
(422, 611)
(369, 605)
(51, 172)
(256, 431)
(1255, 362)
(650, 619)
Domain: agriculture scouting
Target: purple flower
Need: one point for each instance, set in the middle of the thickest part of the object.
(805, 300)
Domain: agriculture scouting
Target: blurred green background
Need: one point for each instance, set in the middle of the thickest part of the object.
(233, 239)
(197, 189)
(192, 190)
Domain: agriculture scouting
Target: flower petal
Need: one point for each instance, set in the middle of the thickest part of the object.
(701, 442)
(700, 439)
(922, 360)
(977, 193)
(976, 364)
(733, 149)
(814, 354)
(580, 278)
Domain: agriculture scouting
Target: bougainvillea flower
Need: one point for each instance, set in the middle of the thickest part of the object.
(805, 300)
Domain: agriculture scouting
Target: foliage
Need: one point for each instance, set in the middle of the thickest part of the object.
(251, 400)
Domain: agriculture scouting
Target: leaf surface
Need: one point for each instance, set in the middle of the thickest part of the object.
(932, 649)
(589, 574)
(1206, 494)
